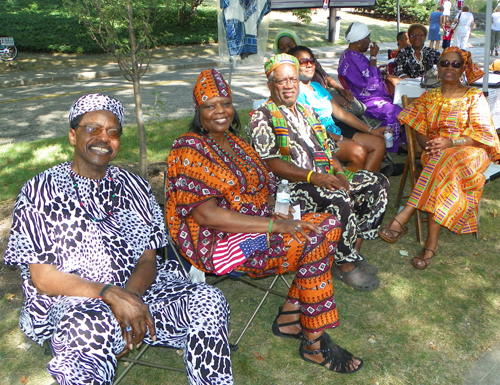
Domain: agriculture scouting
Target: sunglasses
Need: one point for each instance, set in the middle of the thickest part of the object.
(420, 35)
(447, 63)
(306, 61)
(113, 133)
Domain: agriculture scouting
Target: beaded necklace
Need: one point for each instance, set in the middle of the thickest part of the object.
(87, 214)
(239, 159)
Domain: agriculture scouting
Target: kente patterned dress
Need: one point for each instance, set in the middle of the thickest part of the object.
(198, 170)
(360, 211)
(451, 183)
(49, 226)
(368, 86)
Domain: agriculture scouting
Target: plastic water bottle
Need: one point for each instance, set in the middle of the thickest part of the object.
(389, 140)
(283, 198)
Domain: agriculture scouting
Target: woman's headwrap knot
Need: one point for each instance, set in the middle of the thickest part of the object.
(357, 31)
(285, 32)
(277, 60)
(210, 84)
(96, 102)
(472, 71)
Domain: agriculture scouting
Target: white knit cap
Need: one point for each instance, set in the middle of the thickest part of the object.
(358, 31)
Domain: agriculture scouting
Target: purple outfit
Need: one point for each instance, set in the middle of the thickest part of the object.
(367, 85)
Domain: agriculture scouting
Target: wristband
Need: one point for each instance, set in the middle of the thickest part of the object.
(458, 142)
(309, 176)
(370, 129)
(341, 138)
(104, 290)
(269, 229)
(340, 172)
(373, 58)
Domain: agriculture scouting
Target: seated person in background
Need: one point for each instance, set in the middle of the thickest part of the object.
(367, 147)
(416, 59)
(402, 41)
(219, 209)
(85, 235)
(454, 126)
(286, 40)
(366, 82)
(296, 147)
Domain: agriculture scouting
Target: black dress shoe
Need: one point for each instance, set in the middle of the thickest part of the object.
(402, 151)
(398, 169)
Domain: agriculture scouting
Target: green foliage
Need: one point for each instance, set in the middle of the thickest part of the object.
(304, 15)
(411, 11)
(49, 26)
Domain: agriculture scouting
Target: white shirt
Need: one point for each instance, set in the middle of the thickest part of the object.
(495, 21)
(447, 8)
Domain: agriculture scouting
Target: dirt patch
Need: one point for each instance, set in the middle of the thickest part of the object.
(10, 281)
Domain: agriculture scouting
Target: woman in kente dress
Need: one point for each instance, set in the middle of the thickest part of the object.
(454, 126)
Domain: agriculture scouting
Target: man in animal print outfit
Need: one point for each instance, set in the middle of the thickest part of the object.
(84, 234)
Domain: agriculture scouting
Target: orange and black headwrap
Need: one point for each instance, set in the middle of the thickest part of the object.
(472, 71)
(210, 84)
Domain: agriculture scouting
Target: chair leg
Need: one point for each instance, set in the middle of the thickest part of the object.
(419, 226)
(256, 310)
(402, 183)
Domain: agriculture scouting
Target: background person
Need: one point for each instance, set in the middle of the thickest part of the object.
(447, 34)
(436, 21)
(219, 212)
(495, 31)
(402, 41)
(85, 235)
(454, 126)
(464, 28)
(366, 81)
(446, 10)
(351, 133)
(415, 60)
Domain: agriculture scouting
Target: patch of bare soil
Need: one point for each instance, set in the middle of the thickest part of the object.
(10, 281)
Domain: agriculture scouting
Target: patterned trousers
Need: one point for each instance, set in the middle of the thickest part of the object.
(360, 211)
(312, 286)
(86, 336)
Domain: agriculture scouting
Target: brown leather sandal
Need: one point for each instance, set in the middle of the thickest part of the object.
(421, 263)
(390, 235)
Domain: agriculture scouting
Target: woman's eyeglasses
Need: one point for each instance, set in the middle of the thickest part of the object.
(447, 63)
(305, 61)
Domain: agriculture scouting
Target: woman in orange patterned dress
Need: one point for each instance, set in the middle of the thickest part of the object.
(454, 127)
(218, 211)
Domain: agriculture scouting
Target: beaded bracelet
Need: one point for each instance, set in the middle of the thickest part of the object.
(309, 176)
(104, 290)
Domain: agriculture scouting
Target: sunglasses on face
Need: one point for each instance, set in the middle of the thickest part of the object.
(420, 35)
(92, 129)
(305, 61)
(447, 63)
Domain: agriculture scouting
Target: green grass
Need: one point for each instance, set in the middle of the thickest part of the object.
(419, 327)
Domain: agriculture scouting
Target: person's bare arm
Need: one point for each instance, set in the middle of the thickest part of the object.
(208, 214)
(297, 174)
(127, 306)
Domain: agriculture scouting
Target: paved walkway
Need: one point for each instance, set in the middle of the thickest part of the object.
(166, 64)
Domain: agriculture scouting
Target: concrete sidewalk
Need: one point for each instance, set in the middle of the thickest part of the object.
(165, 64)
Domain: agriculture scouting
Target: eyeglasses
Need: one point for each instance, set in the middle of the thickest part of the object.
(94, 130)
(420, 35)
(282, 82)
(447, 63)
(305, 61)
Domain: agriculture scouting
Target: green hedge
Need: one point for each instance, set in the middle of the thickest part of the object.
(411, 11)
(45, 26)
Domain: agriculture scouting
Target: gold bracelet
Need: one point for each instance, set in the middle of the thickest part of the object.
(309, 176)
(458, 142)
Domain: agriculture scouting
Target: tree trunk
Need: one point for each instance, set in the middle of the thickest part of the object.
(143, 161)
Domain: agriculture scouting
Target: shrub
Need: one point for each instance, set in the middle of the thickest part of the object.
(411, 11)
